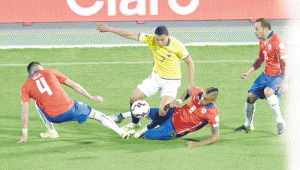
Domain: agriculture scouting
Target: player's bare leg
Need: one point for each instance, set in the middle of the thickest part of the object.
(249, 112)
(163, 102)
(106, 121)
(274, 103)
(51, 133)
(137, 94)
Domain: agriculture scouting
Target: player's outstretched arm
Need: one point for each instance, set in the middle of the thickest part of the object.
(105, 28)
(257, 63)
(191, 70)
(82, 91)
(284, 85)
(25, 116)
(212, 139)
(176, 103)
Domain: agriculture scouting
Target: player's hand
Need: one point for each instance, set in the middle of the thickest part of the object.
(175, 104)
(192, 144)
(283, 87)
(244, 75)
(97, 98)
(102, 27)
(24, 138)
(191, 87)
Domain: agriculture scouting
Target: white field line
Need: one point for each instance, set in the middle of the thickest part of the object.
(122, 45)
(140, 62)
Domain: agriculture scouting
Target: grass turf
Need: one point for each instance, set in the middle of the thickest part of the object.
(93, 146)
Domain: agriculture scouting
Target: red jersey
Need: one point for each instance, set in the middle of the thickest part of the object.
(194, 116)
(273, 52)
(44, 87)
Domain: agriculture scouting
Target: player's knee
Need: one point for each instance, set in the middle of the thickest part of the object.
(162, 112)
(133, 98)
(268, 93)
(250, 100)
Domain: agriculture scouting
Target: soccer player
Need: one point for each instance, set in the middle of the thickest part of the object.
(43, 85)
(273, 81)
(179, 121)
(166, 74)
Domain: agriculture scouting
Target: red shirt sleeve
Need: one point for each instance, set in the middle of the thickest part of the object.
(25, 97)
(214, 119)
(60, 76)
(281, 47)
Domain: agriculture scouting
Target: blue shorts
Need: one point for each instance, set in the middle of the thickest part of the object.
(166, 131)
(264, 81)
(79, 112)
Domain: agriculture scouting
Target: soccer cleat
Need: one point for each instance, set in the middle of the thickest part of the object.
(127, 133)
(140, 133)
(280, 128)
(117, 118)
(131, 125)
(49, 135)
(242, 128)
(251, 127)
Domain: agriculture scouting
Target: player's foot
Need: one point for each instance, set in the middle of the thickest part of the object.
(127, 133)
(281, 127)
(244, 128)
(241, 128)
(49, 135)
(131, 125)
(117, 118)
(251, 127)
(140, 132)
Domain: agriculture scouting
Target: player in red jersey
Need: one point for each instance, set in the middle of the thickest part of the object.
(43, 85)
(274, 80)
(179, 121)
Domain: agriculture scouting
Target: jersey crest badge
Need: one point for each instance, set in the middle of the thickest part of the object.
(203, 111)
(281, 46)
(270, 47)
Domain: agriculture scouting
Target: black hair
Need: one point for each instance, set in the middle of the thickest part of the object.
(30, 66)
(211, 89)
(264, 23)
(161, 30)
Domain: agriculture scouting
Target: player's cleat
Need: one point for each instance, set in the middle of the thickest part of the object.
(140, 133)
(117, 118)
(244, 128)
(131, 125)
(127, 133)
(251, 127)
(280, 128)
(49, 135)
(241, 128)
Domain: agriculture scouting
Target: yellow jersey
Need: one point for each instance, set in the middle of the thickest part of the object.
(166, 59)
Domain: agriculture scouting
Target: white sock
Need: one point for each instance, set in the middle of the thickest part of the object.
(274, 103)
(126, 115)
(47, 123)
(106, 121)
(249, 114)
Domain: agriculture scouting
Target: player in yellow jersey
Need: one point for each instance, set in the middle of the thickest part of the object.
(166, 74)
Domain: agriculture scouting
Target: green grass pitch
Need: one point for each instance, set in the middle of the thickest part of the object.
(114, 75)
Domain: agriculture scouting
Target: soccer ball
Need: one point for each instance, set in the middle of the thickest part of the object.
(140, 108)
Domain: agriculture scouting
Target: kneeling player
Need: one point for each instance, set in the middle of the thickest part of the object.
(179, 121)
(43, 85)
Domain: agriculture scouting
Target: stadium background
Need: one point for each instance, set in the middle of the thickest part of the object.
(27, 24)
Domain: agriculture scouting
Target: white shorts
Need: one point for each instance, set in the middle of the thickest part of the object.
(153, 84)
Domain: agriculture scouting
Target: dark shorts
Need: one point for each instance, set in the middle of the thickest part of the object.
(166, 131)
(264, 81)
(79, 112)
